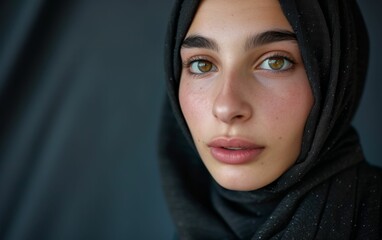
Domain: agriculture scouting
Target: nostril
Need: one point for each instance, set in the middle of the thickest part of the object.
(239, 117)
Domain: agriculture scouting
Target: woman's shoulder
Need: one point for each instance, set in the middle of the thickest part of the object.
(368, 173)
(369, 202)
(369, 180)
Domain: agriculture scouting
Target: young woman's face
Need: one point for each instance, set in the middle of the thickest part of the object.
(243, 91)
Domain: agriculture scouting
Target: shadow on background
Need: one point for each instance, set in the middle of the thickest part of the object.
(81, 87)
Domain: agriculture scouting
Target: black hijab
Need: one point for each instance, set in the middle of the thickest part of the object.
(331, 192)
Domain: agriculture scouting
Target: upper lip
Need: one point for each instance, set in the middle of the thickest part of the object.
(233, 143)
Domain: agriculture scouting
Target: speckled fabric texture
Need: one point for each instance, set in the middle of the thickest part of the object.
(331, 192)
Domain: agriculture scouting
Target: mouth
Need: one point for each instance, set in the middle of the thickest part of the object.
(234, 150)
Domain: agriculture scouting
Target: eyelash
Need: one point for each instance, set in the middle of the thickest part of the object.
(188, 63)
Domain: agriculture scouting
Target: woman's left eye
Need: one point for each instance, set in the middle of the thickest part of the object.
(276, 63)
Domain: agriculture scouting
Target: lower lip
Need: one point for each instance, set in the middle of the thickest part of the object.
(235, 156)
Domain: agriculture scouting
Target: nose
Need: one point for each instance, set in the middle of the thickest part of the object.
(231, 104)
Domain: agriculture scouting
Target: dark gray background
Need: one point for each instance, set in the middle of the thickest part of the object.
(81, 87)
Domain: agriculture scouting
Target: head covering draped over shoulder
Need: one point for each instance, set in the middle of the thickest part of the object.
(331, 192)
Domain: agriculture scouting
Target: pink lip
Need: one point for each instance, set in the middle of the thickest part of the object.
(234, 150)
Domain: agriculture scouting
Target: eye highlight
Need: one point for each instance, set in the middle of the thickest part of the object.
(277, 63)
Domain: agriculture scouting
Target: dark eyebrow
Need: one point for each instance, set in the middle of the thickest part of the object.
(269, 37)
(197, 41)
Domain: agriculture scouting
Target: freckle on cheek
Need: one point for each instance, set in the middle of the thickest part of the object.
(280, 138)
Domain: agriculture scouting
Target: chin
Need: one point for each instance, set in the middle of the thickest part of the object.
(239, 187)
(240, 181)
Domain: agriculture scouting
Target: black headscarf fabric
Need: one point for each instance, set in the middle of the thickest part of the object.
(331, 192)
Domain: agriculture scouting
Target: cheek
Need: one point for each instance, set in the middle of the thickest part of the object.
(299, 104)
(287, 109)
(194, 105)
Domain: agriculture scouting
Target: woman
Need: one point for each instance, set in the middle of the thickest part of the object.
(257, 142)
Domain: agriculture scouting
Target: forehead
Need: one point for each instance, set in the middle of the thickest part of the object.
(241, 16)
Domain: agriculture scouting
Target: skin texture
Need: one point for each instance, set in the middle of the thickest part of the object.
(232, 91)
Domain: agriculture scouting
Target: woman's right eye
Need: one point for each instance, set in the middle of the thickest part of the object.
(201, 66)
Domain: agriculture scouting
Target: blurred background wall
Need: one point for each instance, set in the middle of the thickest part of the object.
(81, 88)
(368, 119)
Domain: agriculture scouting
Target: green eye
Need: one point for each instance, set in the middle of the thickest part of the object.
(201, 66)
(276, 64)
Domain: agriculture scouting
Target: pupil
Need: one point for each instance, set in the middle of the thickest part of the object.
(204, 66)
(276, 63)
